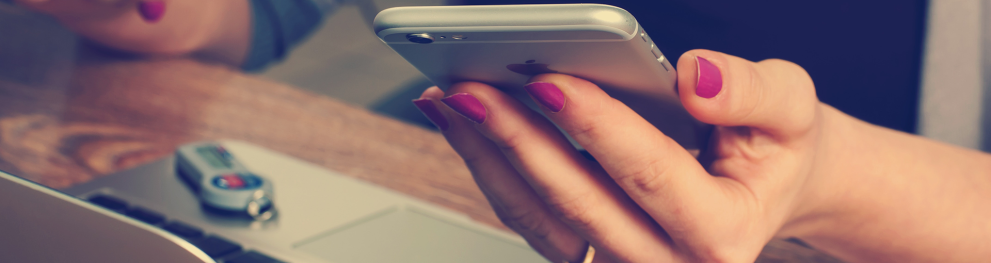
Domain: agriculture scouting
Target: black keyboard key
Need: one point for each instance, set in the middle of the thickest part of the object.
(252, 257)
(216, 247)
(109, 202)
(145, 215)
(183, 230)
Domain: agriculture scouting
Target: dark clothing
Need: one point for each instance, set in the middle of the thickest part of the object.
(277, 26)
(864, 56)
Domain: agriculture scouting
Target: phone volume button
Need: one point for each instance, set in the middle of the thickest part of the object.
(645, 37)
(654, 50)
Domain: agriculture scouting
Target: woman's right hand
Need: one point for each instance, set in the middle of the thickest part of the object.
(647, 199)
(780, 164)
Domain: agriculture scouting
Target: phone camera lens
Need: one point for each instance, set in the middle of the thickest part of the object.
(421, 38)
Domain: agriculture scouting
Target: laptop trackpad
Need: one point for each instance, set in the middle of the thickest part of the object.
(411, 235)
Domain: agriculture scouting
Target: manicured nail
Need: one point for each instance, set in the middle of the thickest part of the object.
(151, 11)
(430, 110)
(466, 105)
(710, 80)
(547, 94)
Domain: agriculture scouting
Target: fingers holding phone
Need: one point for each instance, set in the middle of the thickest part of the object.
(516, 204)
(646, 198)
(503, 46)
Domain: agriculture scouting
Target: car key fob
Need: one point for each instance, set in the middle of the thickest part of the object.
(222, 182)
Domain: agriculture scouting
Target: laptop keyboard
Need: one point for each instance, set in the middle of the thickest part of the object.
(183, 230)
(221, 249)
(109, 202)
(216, 247)
(145, 215)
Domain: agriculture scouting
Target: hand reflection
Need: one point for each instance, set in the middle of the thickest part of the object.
(211, 30)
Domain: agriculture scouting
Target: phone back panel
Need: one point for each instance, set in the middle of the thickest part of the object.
(497, 45)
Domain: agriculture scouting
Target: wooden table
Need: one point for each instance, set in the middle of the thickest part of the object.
(115, 112)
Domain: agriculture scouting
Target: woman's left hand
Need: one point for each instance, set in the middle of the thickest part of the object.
(214, 30)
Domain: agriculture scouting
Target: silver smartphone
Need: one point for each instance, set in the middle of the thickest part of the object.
(505, 45)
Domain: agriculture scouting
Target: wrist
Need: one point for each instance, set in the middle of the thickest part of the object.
(231, 40)
(841, 145)
(879, 195)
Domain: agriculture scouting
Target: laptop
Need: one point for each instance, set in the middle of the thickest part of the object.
(148, 214)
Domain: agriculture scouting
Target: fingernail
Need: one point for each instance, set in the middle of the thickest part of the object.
(710, 80)
(151, 11)
(547, 94)
(430, 110)
(466, 105)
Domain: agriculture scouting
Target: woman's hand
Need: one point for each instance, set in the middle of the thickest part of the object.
(646, 199)
(149, 10)
(212, 30)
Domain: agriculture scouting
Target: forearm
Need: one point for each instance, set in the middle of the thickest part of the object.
(213, 30)
(887, 196)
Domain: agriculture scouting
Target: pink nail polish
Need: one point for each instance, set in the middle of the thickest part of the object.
(466, 105)
(710, 80)
(547, 94)
(428, 108)
(151, 11)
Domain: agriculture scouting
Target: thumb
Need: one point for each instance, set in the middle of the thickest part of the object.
(773, 95)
